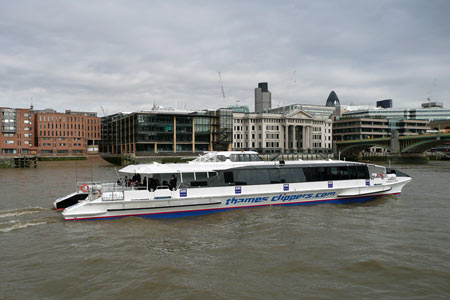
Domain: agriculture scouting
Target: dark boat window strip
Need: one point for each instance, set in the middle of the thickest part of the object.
(257, 176)
(292, 173)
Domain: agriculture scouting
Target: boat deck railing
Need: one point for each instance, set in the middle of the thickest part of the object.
(106, 190)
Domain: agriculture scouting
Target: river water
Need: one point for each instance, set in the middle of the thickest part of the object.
(390, 248)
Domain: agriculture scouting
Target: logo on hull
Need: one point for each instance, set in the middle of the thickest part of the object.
(280, 198)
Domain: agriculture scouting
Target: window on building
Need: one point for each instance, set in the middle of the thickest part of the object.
(9, 151)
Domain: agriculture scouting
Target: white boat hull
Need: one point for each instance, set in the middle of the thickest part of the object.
(199, 201)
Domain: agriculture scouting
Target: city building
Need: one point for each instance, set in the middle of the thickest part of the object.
(387, 103)
(332, 100)
(48, 133)
(291, 132)
(382, 121)
(70, 133)
(263, 97)
(354, 128)
(239, 108)
(324, 112)
(158, 131)
(431, 111)
(316, 111)
(289, 129)
(442, 126)
(17, 134)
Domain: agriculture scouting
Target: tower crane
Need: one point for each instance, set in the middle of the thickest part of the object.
(221, 86)
(103, 110)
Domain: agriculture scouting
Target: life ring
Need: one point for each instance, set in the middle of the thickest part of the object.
(380, 175)
(84, 188)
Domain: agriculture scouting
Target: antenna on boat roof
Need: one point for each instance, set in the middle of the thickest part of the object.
(92, 179)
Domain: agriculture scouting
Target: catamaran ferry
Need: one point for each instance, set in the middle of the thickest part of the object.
(220, 181)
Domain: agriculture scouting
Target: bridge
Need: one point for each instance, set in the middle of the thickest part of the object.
(397, 146)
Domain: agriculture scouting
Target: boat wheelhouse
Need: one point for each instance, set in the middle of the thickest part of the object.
(219, 181)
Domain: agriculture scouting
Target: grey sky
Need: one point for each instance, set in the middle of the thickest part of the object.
(127, 55)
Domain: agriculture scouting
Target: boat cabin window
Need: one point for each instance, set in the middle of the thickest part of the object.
(317, 174)
(200, 179)
(228, 177)
(264, 176)
(363, 172)
(186, 179)
(285, 174)
(221, 158)
(352, 172)
(244, 157)
(194, 179)
(336, 173)
(274, 176)
(373, 169)
(254, 157)
(201, 176)
(292, 175)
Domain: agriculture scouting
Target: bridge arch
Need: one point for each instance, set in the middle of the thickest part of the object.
(422, 146)
(360, 147)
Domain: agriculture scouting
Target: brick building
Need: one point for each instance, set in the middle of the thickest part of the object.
(17, 134)
(48, 133)
(69, 133)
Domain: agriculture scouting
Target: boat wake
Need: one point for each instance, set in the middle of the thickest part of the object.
(13, 225)
(21, 211)
(23, 218)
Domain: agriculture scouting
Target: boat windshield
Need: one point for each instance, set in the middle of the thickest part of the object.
(374, 170)
(245, 157)
(210, 157)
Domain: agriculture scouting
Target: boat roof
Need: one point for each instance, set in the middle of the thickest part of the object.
(209, 163)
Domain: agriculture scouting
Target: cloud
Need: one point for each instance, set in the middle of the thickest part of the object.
(130, 54)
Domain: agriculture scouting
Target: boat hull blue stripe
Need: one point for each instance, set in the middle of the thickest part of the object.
(199, 212)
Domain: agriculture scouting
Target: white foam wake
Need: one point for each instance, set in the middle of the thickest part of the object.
(13, 225)
(20, 212)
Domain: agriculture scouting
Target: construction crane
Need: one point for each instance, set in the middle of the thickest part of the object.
(221, 86)
(104, 114)
(433, 86)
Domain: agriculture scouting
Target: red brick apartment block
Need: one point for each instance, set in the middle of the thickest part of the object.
(17, 134)
(49, 133)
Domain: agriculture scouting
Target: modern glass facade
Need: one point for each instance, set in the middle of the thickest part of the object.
(430, 114)
(223, 130)
(351, 128)
(146, 133)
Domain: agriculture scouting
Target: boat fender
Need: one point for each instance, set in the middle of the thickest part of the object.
(84, 188)
(99, 193)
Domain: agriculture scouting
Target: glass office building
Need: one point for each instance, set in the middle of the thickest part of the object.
(430, 114)
(146, 133)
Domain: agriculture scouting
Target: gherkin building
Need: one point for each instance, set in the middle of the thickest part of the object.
(333, 99)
